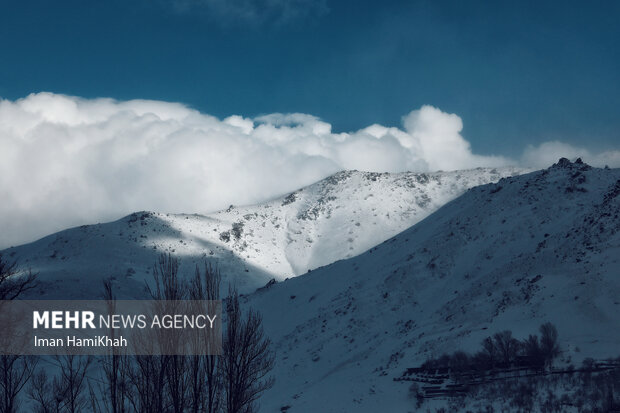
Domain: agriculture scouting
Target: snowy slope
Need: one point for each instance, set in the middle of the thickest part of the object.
(539, 247)
(339, 217)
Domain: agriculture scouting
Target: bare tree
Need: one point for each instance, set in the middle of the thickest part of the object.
(489, 354)
(549, 343)
(232, 382)
(247, 358)
(70, 384)
(41, 393)
(170, 287)
(16, 370)
(13, 281)
(533, 352)
(205, 381)
(160, 382)
(115, 368)
(167, 285)
(148, 380)
(507, 346)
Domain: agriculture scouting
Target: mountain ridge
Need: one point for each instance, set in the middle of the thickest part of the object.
(335, 218)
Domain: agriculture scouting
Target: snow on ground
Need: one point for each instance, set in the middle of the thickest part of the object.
(529, 249)
(539, 247)
(339, 217)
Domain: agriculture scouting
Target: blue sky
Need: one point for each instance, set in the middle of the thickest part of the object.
(416, 85)
(517, 73)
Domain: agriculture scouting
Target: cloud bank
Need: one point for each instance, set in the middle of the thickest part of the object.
(66, 161)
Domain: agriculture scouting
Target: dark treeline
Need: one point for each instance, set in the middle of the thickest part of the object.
(117, 383)
(502, 351)
(592, 388)
(488, 380)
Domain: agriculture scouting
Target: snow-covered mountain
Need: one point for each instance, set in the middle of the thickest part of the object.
(544, 246)
(339, 217)
(539, 247)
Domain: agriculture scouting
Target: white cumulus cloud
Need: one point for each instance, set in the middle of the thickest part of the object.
(547, 153)
(66, 161)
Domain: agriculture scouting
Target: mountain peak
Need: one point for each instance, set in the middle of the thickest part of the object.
(564, 163)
